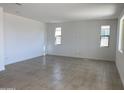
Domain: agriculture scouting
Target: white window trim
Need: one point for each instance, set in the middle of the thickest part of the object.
(60, 36)
(120, 49)
(106, 36)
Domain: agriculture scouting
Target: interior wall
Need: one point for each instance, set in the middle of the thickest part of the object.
(1, 41)
(119, 55)
(82, 39)
(24, 38)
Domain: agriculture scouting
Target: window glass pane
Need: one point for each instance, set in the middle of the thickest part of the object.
(121, 36)
(58, 40)
(122, 40)
(58, 33)
(105, 30)
(104, 41)
(105, 27)
(58, 28)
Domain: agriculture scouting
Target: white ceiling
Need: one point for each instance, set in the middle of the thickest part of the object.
(60, 12)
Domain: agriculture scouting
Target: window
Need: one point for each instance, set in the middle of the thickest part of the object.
(121, 36)
(105, 36)
(58, 36)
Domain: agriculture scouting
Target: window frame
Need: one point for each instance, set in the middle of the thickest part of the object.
(56, 36)
(121, 35)
(105, 36)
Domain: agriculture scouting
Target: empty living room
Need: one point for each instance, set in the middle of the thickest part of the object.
(61, 46)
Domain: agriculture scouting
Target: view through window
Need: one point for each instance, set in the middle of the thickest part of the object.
(105, 36)
(58, 36)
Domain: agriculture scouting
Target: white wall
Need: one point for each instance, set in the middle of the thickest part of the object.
(1, 41)
(82, 39)
(120, 56)
(24, 38)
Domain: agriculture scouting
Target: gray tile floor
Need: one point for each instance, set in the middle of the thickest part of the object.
(55, 72)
